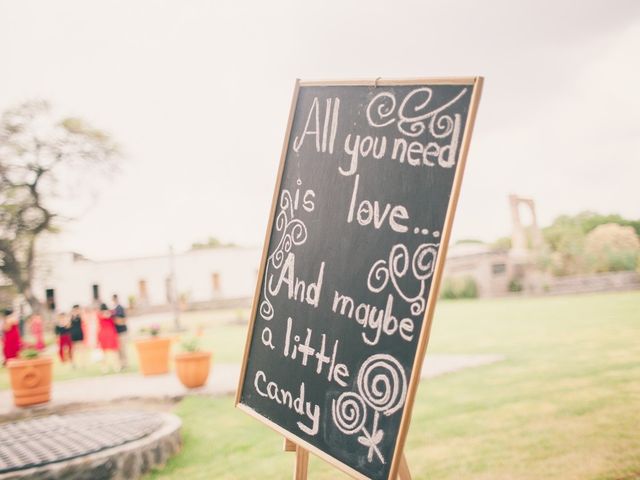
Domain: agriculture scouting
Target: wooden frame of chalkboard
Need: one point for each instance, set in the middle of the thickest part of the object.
(425, 330)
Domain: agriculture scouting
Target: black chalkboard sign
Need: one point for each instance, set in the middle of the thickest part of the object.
(363, 207)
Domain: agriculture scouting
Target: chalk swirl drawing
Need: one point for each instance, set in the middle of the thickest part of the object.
(400, 263)
(415, 113)
(349, 413)
(294, 232)
(385, 105)
(382, 386)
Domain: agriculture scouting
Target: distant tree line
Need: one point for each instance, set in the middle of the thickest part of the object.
(211, 242)
(587, 243)
(591, 243)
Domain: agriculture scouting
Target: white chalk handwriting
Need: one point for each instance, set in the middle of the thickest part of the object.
(293, 232)
(324, 136)
(281, 396)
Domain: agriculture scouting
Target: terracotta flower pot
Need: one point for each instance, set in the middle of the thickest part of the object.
(153, 355)
(30, 380)
(193, 368)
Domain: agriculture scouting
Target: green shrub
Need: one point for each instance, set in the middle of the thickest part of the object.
(515, 285)
(468, 289)
(459, 287)
(622, 261)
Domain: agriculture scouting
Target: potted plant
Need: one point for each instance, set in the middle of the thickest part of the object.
(153, 352)
(30, 377)
(193, 365)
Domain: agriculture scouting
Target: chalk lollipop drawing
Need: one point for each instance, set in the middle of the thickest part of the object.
(382, 387)
(349, 413)
(382, 383)
(400, 263)
(294, 232)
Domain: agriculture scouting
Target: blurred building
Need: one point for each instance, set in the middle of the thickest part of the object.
(202, 276)
(490, 270)
(496, 272)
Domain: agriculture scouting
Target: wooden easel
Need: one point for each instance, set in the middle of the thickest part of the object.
(301, 466)
(252, 404)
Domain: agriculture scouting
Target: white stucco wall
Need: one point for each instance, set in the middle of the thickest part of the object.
(72, 277)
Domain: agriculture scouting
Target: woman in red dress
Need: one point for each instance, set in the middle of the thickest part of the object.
(11, 336)
(108, 339)
(63, 331)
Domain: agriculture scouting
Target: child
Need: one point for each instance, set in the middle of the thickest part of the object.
(11, 336)
(108, 339)
(63, 331)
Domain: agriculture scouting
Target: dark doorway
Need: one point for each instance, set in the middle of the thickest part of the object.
(95, 292)
(50, 296)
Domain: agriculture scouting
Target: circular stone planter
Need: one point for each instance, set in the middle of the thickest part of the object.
(108, 445)
(193, 368)
(30, 380)
(153, 355)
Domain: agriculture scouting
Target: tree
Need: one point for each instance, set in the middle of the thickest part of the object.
(567, 235)
(40, 158)
(591, 220)
(565, 238)
(612, 247)
(502, 244)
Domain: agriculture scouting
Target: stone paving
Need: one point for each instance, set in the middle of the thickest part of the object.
(110, 444)
(223, 380)
(54, 438)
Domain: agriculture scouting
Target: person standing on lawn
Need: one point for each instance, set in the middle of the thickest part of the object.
(120, 317)
(76, 329)
(63, 331)
(10, 336)
(37, 331)
(108, 340)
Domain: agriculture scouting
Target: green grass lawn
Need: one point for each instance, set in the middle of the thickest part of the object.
(565, 404)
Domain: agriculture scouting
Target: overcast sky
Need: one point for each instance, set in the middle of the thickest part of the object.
(198, 92)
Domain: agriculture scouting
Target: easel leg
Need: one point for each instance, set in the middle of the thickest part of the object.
(301, 467)
(403, 471)
(302, 464)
